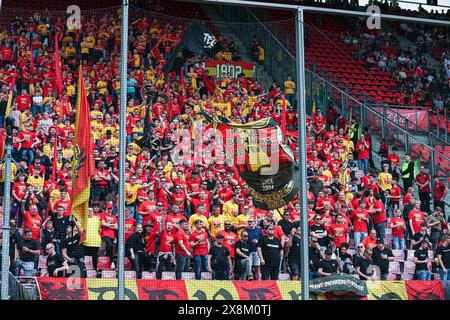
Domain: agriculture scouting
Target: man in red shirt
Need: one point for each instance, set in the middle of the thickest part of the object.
(371, 240)
(339, 232)
(166, 257)
(28, 140)
(101, 180)
(362, 148)
(423, 183)
(394, 196)
(360, 220)
(19, 191)
(23, 101)
(182, 249)
(398, 226)
(33, 221)
(230, 239)
(416, 217)
(129, 224)
(379, 218)
(200, 244)
(108, 232)
(440, 192)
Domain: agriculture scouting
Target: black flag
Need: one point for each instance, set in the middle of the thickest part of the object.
(146, 140)
(196, 40)
(263, 161)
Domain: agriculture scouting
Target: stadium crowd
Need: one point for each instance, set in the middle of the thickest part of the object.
(194, 215)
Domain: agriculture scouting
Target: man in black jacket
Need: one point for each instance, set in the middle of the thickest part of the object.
(135, 248)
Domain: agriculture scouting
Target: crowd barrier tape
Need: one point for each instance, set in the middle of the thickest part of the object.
(107, 289)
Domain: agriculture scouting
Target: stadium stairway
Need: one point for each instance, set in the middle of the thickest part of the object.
(216, 18)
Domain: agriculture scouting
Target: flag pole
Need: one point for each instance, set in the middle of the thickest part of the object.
(122, 154)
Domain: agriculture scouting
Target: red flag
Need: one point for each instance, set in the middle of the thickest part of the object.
(55, 157)
(31, 61)
(182, 77)
(283, 119)
(83, 166)
(169, 102)
(209, 84)
(58, 84)
(155, 51)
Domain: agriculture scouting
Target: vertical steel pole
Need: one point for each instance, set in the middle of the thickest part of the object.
(123, 133)
(6, 217)
(300, 67)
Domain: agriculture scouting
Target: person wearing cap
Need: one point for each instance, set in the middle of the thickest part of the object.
(29, 250)
(219, 260)
(328, 266)
(381, 257)
(421, 259)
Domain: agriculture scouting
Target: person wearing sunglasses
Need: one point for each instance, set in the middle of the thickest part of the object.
(243, 265)
(56, 265)
(254, 236)
(270, 252)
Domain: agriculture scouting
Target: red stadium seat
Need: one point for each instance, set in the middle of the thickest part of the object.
(104, 263)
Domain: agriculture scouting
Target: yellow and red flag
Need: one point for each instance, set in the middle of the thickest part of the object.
(83, 166)
(58, 83)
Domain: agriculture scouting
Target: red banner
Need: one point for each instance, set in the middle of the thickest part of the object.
(107, 289)
(424, 290)
(162, 290)
(258, 290)
(62, 289)
(417, 118)
(232, 69)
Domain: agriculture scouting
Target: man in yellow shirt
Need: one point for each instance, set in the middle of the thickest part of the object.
(216, 222)
(231, 211)
(36, 181)
(289, 90)
(199, 215)
(385, 178)
(93, 239)
(243, 219)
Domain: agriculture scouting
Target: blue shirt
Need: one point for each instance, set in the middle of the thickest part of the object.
(255, 233)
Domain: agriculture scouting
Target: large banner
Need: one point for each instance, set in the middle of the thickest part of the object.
(412, 115)
(338, 283)
(107, 289)
(232, 69)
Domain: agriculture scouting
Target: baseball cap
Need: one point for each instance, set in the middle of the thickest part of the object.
(328, 252)
(109, 206)
(379, 240)
(219, 236)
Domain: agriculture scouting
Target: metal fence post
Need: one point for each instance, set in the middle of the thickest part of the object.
(406, 136)
(304, 258)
